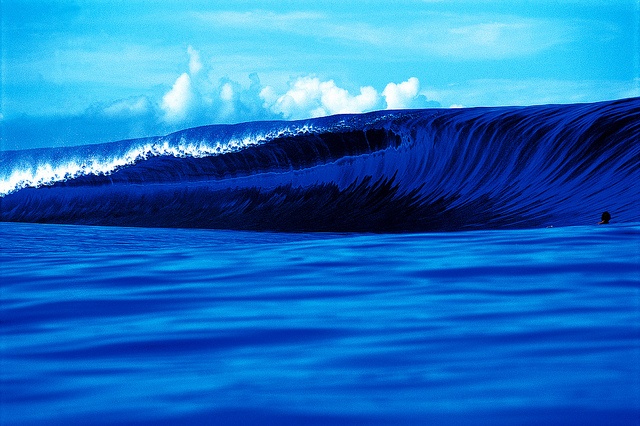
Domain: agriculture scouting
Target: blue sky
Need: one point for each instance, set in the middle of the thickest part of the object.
(77, 72)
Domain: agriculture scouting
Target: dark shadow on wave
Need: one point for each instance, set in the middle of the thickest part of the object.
(364, 206)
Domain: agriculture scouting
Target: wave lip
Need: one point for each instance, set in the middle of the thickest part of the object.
(399, 171)
(46, 167)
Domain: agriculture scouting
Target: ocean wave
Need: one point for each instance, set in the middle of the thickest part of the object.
(399, 171)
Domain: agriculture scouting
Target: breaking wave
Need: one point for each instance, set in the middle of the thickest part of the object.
(386, 171)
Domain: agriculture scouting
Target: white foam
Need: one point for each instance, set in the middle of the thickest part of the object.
(37, 175)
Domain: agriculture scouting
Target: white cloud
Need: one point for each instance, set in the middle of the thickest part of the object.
(269, 96)
(194, 61)
(208, 101)
(401, 95)
(339, 101)
(463, 36)
(310, 97)
(225, 108)
(177, 102)
(135, 106)
(499, 37)
(226, 93)
(199, 101)
(296, 22)
(302, 97)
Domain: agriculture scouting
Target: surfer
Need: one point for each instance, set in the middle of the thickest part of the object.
(605, 218)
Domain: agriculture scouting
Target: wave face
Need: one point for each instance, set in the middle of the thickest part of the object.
(398, 171)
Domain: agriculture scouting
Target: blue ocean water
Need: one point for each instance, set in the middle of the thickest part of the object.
(298, 272)
(104, 325)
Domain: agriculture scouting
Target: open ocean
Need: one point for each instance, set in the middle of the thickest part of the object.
(396, 267)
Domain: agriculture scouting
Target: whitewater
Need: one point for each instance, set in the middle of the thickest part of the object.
(437, 266)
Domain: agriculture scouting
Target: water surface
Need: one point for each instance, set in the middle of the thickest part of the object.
(148, 326)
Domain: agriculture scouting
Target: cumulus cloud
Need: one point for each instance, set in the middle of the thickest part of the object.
(407, 95)
(269, 96)
(310, 97)
(198, 98)
(338, 101)
(227, 101)
(401, 95)
(177, 102)
(195, 65)
(226, 93)
(302, 98)
(181, 102)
